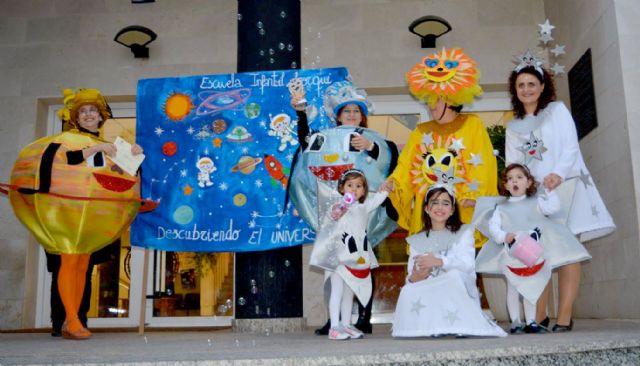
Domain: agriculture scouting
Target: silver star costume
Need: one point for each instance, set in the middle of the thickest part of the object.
(448, 301)
(342, 246)
(557, 151)
(522, 216)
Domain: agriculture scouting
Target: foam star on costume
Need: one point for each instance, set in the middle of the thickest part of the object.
(546, 27)
(476, 159)
(427, 138)
(558, 50)
(532, 148)
(457, 145)
(557, 69)
(545, 38)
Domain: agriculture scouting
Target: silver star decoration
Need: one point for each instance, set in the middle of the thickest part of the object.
(475, 159)
(452, 316)
(528, 59)
(417, 306)
(532, 149)
(427, 138)
(545, 38)
(558, 50)
(546, 27)
(585, 179)
(594, 211)
(457, 145)
(474, 186)
(557, 69)
(447, 178)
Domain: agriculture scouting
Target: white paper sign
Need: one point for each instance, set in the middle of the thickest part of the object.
(124, 158)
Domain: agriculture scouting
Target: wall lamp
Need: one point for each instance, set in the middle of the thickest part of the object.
(429, 27)
(136, 37)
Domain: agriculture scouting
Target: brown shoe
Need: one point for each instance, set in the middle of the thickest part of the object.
(80, 334)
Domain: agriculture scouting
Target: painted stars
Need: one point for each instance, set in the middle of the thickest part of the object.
(187, 190)
(452, 316)
(217, 142)
(532, 148)
(158, 131)
(585, 178)
(417, 307)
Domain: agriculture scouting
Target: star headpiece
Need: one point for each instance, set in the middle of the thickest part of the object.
(528, 59)
(341, 93)
(446, 179)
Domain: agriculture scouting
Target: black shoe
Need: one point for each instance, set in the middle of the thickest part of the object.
(516, 329)
(324, 330)
(534, 328)
(563, 328)
(364, 327)
(56, 333)
(545, 322)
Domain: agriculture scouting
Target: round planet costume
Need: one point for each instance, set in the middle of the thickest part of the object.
(72, 209)
(461, 148)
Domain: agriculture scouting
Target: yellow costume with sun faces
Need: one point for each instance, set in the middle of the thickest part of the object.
(459, 150)
(72, 209)
(462, 145)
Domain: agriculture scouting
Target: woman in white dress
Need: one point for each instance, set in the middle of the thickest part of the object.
(440, 296)
(543, 137)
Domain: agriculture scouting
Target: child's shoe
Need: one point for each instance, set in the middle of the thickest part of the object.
(353, 332)
(516, 328)
(535, 328)
(338, 334)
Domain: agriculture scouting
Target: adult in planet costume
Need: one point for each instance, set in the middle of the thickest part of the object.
(72, 198)
(324, 155)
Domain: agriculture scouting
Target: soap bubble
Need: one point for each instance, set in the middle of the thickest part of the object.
(283, 14)
(259, 25)
(242, 301)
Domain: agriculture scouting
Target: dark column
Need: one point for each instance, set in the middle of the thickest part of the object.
(269, 284)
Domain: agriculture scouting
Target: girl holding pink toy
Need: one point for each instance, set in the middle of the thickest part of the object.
(526, 244)
(342, 249)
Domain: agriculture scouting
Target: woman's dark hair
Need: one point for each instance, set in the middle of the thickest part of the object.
(453, 222)
(363, 123)
(531, 190)
(349, 175)
(547, 96)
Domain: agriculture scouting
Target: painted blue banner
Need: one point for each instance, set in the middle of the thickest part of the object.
(218, 156)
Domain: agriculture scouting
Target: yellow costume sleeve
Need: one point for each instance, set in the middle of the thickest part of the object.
(479, 164)
(404, 194)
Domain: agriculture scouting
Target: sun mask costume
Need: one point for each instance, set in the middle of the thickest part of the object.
(72, 208)
(461, 148)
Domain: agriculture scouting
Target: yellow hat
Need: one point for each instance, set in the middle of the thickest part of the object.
(450, 75)
(73, 101)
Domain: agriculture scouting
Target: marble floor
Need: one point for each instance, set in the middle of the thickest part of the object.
(611, 342)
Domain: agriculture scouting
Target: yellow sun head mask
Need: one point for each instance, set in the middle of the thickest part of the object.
(73, 101)
(450, 75)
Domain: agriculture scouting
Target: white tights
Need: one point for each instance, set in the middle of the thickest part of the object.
(340, 301)
(513, 305)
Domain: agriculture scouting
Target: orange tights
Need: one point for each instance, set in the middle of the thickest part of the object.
(71, 280)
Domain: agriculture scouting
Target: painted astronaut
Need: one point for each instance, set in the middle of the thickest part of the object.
(206, 167)
(282, 128)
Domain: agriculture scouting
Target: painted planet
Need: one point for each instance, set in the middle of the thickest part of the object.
(169, 148)
(239, 134)
(219, 126)
(239, 200)
(252, 110)
(246, 165)
(183, 215)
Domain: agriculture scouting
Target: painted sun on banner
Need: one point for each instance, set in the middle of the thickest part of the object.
(219, 150)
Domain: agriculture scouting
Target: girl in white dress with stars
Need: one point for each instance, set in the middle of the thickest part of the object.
(440, 296)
